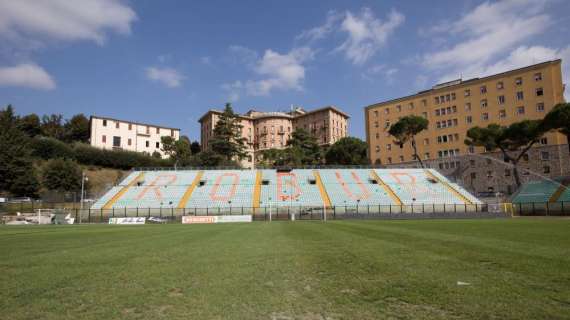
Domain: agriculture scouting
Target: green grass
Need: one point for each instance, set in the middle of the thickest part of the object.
(516, 268)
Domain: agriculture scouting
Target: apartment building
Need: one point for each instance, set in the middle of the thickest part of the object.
(454, 107)
(267, 130)
(109, 133)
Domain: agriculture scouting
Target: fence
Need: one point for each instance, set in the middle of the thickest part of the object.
(88, 215)
(542, 208)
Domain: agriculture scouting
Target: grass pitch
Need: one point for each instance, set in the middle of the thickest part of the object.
(436, 269)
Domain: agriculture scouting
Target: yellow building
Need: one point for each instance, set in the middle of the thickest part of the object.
(454, 107)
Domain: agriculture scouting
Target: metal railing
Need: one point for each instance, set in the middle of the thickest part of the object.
(89, 215)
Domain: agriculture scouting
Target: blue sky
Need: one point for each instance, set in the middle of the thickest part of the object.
(168, 62)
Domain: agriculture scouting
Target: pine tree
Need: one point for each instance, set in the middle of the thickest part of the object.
(227, 140)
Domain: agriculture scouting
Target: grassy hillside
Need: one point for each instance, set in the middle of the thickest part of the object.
(446, 269)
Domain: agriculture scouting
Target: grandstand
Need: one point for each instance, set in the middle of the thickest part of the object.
(544, 191)
(222, 189)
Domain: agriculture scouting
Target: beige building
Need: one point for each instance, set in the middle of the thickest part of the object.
(109, 133)
(267, 130)
(454, 107)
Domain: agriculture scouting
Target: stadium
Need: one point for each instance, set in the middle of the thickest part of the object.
(298, 160)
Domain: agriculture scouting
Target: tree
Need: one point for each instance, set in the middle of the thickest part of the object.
(513, 141)
(178, 150)
(52, 126)
(195, 147)
(406, 130)
(227, 140)
(61, 175)
(30, 125)
(77, 129)
(303, 149)
(347, 151)
(559, 119)
(272, 157)
(17, 173)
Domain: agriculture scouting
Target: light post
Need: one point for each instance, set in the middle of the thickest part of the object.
(83, 179)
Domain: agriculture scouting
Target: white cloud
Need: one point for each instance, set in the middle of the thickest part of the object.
(26, 75)
(322, 31)
(64, 19)
(280, 71)
(167, 76)
(233, 90)
(521, 57)
(367, 34)
(380, 69)
(489, 30)
(243, 55)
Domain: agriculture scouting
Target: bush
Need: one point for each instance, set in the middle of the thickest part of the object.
(61, 175)
(50, 148)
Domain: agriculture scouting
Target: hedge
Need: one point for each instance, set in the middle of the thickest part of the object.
(49, 148)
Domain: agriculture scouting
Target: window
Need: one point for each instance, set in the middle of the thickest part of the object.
(116, 141)
(544, 141)
(117, 124)
(401, 158)
(387, 111)
(518, 81)
(147, 130)
(485, 116)
(172, 132)
(507, 172)
(467, 93)
(546, 169)
(147, 143)
(539, 92)
(520, 95)
(520, 110)
(388, 147)
(377, 135)
(424, 114)
(389, 159)
(130, 141)
(376, 113)
(398, 108)
(104, 123)
(540, 107)
(471, 149)
(436, 100)
(500, 85)
(426, 141)
(376, 124)
(484, 103)
(426, 155)
(483, 89)
(473, 175)
(158, 145)
(472, 163)
(377, 148)
(447, 97)
(454, 109)
(544, 155)
(130, 126)
(104, 139)
(468, 107)
(537, 76)
(525, 157)
(469, 119)
(411, 106)
(501, 99)
(502, 114)
(424, 102)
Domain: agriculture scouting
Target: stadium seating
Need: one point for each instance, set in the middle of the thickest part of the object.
(416, 186)
(298, 187)
(347, 187)
(537, 191)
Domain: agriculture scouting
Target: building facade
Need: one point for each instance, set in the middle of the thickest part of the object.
(454, 107)
(272, 130)
(109, 133)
